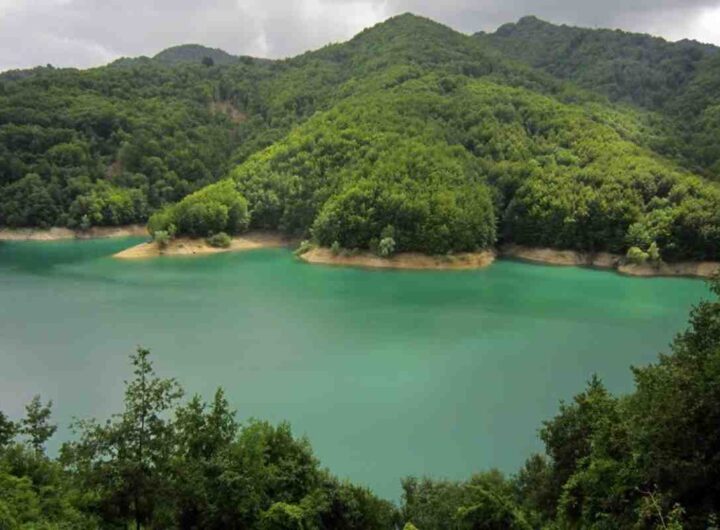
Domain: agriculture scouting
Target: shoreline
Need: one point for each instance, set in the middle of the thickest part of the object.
(406, 260)
(608, 261)
(403, 260)
(61, 233)
(185, 246)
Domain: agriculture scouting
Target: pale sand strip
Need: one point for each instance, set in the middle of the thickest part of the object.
(403, 260)
(184, 246)
(605, 260)
(57, 234)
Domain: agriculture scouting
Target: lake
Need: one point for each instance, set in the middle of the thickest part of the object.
(388, 373)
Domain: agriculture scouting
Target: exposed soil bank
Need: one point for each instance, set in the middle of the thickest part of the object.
(605, 260)
(403, 260)
(57, 234)
(184, 246)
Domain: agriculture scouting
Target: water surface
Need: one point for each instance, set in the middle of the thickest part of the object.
(389, 373)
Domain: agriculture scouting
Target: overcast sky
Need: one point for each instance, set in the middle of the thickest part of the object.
(86, 33)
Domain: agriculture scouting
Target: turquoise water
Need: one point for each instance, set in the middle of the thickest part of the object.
(389, 373)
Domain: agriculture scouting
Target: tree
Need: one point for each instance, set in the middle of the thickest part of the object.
(569, 435)
(386, 247)
(674, 413)
(482, 502)
(8, 429)
(202, 433)
(128, 458)
(653, 253)
(36, 424)
(636, 256)
(162, 238)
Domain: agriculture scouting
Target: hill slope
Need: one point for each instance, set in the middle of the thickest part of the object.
(443, 145)
(194, 53)
(678, 79)
(410, 131)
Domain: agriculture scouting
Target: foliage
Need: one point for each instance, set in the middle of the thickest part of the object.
(162, 238)
(219, 240)
(216, 208)
(637, 256)
(483, 502)
(408, 124)
(386, 247)
(678, 79)
(36, 424)
(162, 464)
(305, 246)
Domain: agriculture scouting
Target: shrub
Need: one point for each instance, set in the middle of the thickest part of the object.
(335, 248)
(386, 248)
(653, 253)
(162, 238)
(304, 247)
(636, 256)
(219, 240)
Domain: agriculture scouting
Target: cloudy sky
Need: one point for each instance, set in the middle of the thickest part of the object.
(92, 32)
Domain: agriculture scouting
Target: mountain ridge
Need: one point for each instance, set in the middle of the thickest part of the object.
(410, 131)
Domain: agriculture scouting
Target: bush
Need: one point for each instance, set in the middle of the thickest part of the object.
(636, 256)
(386, 247)
(335, 248)
(653, 253)
(215, 208)
(305, 246)
(219, 240)
(162, 238)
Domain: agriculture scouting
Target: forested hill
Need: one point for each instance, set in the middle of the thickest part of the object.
(410, 132)
(679, 79)
(189, 53)
(632, 67)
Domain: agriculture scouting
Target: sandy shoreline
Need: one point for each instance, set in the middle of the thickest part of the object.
(184, 246)
(58, 234)
(605, 260)
(403, 260)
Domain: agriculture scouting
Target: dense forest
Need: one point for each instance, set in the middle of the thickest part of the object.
(409, 133)
(677, 79)
(646, 460)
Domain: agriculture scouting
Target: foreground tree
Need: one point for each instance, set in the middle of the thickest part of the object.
(128, 458)
(36, 425)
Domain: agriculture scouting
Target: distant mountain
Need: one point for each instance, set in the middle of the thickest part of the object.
(679, 79)
(194, 53)
(632, 67)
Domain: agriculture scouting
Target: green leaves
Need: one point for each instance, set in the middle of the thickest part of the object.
(36, 424)
(216, 208)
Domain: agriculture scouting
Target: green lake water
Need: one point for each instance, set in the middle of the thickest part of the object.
(389, 373)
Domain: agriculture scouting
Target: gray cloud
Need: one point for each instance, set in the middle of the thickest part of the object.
(91, 32)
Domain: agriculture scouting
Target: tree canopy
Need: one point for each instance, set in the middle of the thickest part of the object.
(601, 141)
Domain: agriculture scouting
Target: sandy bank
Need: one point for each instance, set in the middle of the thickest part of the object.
(57, 234)
(550, 256)
(403, 260)
(699, 269)
(605, 260)
(184, 246)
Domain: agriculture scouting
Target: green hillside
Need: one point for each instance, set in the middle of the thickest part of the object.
(678, 79)
(430, 116)
(194, 53)
(410, 130)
